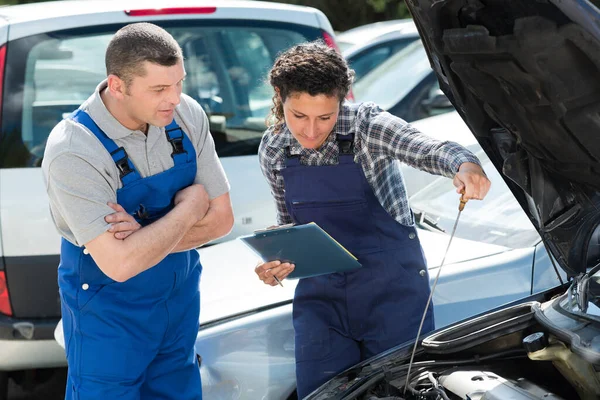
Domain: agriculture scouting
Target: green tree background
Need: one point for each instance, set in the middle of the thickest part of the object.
(343, 14)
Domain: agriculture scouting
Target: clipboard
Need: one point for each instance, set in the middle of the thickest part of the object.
(313, 251)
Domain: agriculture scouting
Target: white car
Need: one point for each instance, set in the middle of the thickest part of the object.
(52, 58)
(367, 46)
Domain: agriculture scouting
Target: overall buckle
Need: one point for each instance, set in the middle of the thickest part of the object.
(346, 146)
(176, 142)
(122, 163)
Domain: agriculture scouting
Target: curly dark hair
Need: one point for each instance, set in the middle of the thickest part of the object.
(312, 68)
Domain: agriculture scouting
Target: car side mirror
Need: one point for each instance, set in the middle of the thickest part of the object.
(437, 102)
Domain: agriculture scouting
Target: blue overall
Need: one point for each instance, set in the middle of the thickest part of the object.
(135, 339)
(341, 319)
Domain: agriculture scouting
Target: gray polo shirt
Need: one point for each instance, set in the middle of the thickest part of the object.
(81, 177)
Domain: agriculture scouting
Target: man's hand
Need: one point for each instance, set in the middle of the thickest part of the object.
(197, 198)
(266, 271)
(122, 223)
(471, 178)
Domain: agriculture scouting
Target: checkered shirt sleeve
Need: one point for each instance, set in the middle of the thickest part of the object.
(381, 140)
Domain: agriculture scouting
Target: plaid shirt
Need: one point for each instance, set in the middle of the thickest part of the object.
(380, 139)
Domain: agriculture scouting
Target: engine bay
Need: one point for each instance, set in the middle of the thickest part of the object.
(509, 376)
(520, 352)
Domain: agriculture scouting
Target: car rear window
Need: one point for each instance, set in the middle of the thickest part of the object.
(50, 75)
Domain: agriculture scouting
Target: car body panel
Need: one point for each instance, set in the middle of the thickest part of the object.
(35, 234)
(261, 345)
(355, 38)
(31, 19)
(30, 354)
(472, 287)
(228, 276)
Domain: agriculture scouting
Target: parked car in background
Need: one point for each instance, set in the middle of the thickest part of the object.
(246, 337)
(416, 93)
(367, 46)
(51, 59)
(524, 77)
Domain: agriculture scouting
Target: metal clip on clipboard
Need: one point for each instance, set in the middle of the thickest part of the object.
(272, 228)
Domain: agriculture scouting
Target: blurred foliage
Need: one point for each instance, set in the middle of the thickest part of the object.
(346, 14)
(343, 14)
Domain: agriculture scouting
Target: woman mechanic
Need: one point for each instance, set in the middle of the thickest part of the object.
(335, 163)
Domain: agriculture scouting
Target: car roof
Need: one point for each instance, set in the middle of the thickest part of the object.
(367, 33)
(30, 19)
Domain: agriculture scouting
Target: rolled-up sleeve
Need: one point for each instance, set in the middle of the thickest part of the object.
(79, 193)
(392, 136)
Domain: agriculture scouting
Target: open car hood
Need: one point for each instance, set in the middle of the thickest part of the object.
(525, 77)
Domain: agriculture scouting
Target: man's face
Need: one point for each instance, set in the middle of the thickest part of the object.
(311, 118)
(151, 99)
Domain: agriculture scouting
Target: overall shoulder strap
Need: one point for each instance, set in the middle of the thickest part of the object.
(127, 171)
(183, 149)
(346, 146)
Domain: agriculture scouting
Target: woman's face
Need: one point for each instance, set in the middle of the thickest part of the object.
(311, 118)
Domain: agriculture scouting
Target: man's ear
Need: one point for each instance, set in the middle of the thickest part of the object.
(117, 87)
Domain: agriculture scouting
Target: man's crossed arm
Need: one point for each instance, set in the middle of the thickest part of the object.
(127, 249)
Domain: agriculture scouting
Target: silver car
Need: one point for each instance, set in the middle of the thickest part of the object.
(367, 46)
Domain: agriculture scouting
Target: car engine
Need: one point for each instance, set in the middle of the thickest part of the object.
(525, 352)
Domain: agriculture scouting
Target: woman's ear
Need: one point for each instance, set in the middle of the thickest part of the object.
(278, 94)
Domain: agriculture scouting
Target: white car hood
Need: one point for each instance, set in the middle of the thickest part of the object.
(434, 245)
(229, 285)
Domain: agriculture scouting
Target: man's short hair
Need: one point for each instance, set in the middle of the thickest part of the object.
(135, 43)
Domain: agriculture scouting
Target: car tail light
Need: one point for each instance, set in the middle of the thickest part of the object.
(4, 299)
(146, 12)
(330, 41)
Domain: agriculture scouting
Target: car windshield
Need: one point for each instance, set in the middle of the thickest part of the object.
(498, 219)
(388, 83)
